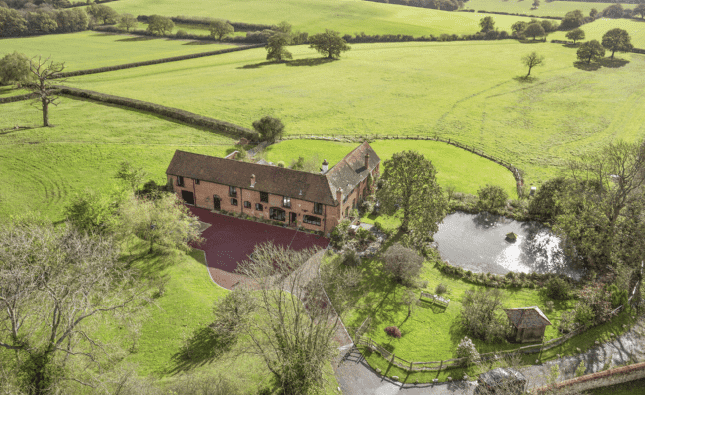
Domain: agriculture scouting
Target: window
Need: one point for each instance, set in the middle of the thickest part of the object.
(286, 202)
(317, 208)
(258, 207)
(353, 203)
(311, 220)
(234, 202)
(197, 181)
(246, 204)
(181, 181)
(277, 214)
(264, 197)
(231, 191)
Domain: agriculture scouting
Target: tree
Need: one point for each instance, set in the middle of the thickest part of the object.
(40, 23)
(572, 19)
(329, 43)
(159, 25)
(536, 4)
(549, 26)
(269, 128)
(614, 11)
(545, 205)
(71, 20)
(534, 30)
(285, 320)
(617, 39)
(43, 83)
(604, 206)
(277, 41)
(487, 24)
(131, 175)
(518, 28)
(162, 221)
(127, 21)
(593, 13)
(640, 9)
(483, 317)
(89, 212)
(57, 288)
(492, 198)
(576, 34)
(467, 350)
(589, 51)
(220, 29)
(102, 13)
(409, 181)
(12, 23)
(402, 263)
(15, 68)
(532, 60)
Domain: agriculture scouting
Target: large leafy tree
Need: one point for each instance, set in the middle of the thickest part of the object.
(58, 289)
(640, 9)
(15, 68)
(159, 25)
(492, 198)
(221, 29)
(286, 317)
(12, 23)
(576, 34)
(409, 182)
(589, 51)
(573, 19)
(269, 128)
(102, 13)
(617, 39)
(534, 30)
(487, 24)
(278, 39)
(330, 43)
(127, 21)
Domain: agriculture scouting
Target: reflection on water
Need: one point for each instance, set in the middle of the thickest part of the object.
(477, 242)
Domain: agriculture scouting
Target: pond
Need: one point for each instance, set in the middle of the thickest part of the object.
(477, 242)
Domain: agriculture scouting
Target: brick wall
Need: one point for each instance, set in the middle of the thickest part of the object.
(598, 380)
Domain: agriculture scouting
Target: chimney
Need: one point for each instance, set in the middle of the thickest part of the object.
(368, 160)
(324, 167)
(252, 181)
(339, 196)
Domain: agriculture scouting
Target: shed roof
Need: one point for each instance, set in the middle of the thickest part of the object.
(525, 317)
(350, 171)
(272, 179)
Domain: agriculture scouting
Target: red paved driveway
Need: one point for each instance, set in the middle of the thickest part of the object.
(231, 240)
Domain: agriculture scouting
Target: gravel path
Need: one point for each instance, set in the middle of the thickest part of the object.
(355, 376)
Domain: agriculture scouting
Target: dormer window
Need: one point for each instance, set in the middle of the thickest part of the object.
(181, 181)
(286, 202)
(231, 191)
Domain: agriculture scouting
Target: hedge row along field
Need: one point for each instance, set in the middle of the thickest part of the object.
(89, 49)
(473, 92)
(552, 9)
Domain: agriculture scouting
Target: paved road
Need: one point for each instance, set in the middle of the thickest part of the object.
(355, 376)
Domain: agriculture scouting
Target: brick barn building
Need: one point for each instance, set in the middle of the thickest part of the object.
(318, 201)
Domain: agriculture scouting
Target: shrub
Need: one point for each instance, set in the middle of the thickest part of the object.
(181, 33)
(492, 198)
(549, 306)
(351, 259)
(482, 315)
(422, 284)
(441, 289)
(366, 207)
(269, 128)
(567, 322)
(467, 350)
(557, 289)
(584, 314)
(393, 331)
(281, 164)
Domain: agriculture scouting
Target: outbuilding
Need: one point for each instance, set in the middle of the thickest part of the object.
(529, 324)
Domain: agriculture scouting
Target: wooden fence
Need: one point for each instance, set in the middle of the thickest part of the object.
(409, 366)
(517, 173)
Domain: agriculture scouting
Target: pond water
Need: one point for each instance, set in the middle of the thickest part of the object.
(477, 242)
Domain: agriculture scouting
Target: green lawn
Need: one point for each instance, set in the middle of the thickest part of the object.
(456, 167)
(469, 91)
(89, 49)
(42, 167)
(313, 16)
(555, 9)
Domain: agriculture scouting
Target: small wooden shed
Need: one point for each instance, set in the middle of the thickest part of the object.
(529, 324)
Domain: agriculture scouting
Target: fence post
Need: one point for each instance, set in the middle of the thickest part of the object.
(393, 359)
(441, 366)
(411, 367)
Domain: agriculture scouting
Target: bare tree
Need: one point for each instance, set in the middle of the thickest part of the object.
(285, 318)
(44, 83)
(57, 286)
(532, 60)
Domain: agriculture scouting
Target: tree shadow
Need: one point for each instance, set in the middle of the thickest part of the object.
(612, 63)
(135, 39)
(593, 66)
(310, 62)
(99, 34)
(531, 41)
(203, 347)
(200, 42)
(525, 79)
(18, 129)
(572, 45)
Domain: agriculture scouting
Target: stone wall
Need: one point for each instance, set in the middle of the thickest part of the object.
(596, 380)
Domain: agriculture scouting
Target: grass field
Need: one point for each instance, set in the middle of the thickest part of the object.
(89, 49)
(554, 9)
(470, 91)
(597, 28)
(455, 167)
(200, 30)
(42, 168)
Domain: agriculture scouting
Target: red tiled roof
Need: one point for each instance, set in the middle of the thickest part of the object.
(526, 317)
(272, 179)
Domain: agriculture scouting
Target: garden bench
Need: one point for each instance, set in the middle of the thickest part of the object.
(436, 299)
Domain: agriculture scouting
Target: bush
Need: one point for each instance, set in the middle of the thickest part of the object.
(557, 289)
(483, 317)
(366, 207)
(351, 259)
(441, 289)
(269, 128)
(363, 234)
(281, 164)
(181, 33)
(466, 349)
(393, 331)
